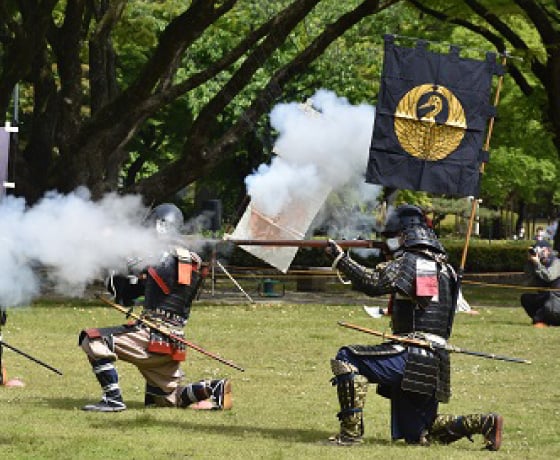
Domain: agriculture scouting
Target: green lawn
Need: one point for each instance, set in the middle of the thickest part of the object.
(284, 404)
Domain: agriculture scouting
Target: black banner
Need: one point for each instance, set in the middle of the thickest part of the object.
(430, 120)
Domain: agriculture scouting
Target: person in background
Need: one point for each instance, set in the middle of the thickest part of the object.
(540, 234)
(423, 289)
(543, 267)
(169, 285)
(551, 229)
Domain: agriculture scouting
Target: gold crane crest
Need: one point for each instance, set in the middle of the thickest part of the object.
(430, 122)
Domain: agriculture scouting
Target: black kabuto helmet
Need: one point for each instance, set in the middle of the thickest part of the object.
(409, 222)
(166, 218)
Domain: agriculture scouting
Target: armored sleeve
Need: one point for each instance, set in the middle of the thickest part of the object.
(125, 289)
(371, 281)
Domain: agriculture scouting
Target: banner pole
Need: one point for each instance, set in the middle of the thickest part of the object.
(474, 202)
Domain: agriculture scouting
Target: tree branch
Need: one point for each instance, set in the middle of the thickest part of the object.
(493, 38)
(538, 16)
(102, 73)
(66, 44)
(284, 23)
(26, 41)
(176, 37)
(537, 67)
(205, 160)
(160, 99)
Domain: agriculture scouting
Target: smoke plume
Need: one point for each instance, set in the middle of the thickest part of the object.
(323, 142)
(67, 242)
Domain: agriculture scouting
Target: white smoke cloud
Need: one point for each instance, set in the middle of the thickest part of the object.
(328, 144)
(75, 239)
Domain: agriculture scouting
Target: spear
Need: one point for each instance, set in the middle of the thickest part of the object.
(429, 344)
(166, 332)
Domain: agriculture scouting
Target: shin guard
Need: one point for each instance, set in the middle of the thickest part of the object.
(194, 392)
(218, 392)
(448, 428)
(351, 390)
(108, 378)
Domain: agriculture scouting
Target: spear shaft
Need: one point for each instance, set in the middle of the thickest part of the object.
(432, 345)
(22, 353)
(128, 312)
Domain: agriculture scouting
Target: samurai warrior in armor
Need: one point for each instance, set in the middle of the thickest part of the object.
(423, 293)
(169, 287)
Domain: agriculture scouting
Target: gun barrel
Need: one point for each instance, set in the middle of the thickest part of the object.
(481, 354)
(311, 243)
(28, 356)
(427, 344)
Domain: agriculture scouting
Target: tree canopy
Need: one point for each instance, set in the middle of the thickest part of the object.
(150, 97)
(101, 76)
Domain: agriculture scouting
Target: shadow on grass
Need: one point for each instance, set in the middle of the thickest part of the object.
(306, 435)
(144, 418)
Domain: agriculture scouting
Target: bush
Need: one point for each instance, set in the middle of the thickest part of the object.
(482, 256)
(488, 256)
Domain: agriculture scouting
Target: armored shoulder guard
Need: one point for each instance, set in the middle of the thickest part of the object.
(172, 285)
(406, 282)
(435, 317)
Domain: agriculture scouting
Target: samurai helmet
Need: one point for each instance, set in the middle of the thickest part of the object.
(409, 222)
(167, 218)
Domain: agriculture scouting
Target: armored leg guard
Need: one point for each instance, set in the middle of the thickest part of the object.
(218, 392)
(448, 428)
(108, 378)
(351, 389)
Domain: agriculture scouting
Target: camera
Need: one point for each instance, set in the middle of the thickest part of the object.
(532, 251)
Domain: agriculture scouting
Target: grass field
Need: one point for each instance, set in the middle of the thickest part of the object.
(284, 405)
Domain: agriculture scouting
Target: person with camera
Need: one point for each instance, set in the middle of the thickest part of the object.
(543, 307)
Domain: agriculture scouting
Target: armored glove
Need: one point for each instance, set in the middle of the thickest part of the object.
(333, 249)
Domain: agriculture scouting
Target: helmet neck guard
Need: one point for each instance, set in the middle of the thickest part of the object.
(421, 236)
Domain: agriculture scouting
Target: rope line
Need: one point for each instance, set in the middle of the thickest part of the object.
(325, 272)
(510, 286)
